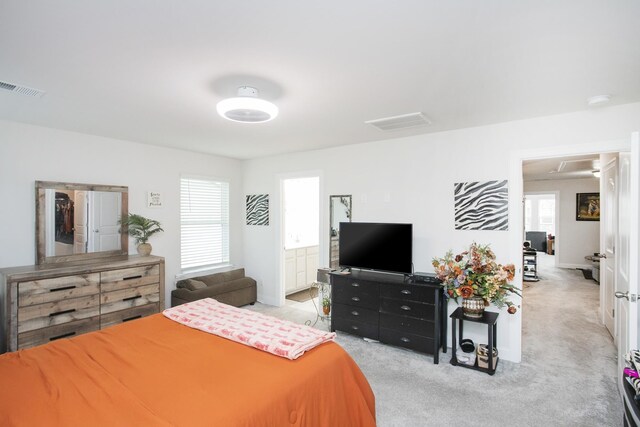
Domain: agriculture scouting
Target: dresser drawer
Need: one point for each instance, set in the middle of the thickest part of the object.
(368, 330)
(127, 298)
(127, 315)
(56, 289)
(52, 333)
(407, 308)
(58, 312)
(356, 294)
(409, 292)
(125, 278)
(355, 313)
(406, 324)
(410, 341)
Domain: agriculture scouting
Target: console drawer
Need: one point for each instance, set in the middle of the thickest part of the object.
(355, 313)
(409, 292)
(52, 333)
(410, 341)
(58, 288)
(407, 308)
(357, 294)
(123, 316)
(406, 324)
(129, 277)
(368, 330)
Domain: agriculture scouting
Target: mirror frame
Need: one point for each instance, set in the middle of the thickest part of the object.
(41, 255)
(331, 199)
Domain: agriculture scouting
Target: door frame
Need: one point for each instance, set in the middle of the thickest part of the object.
(279, 226)
(516, 192)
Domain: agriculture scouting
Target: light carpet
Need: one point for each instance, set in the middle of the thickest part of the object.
(566, 378)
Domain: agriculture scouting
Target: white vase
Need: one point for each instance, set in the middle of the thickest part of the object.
(144, 249)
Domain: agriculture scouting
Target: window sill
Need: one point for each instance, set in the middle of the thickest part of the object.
(202, 271)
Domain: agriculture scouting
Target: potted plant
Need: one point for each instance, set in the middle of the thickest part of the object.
(326, 306)
(475, 276)
(141, 228)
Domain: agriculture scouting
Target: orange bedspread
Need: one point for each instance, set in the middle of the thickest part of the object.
(156, 372)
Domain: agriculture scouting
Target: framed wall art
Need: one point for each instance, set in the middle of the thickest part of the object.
(588, 207)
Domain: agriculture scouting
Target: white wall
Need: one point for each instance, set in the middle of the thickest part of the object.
(411, 180)
(30, 153)
(574, 239)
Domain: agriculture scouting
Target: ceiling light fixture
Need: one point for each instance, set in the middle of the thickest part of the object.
(596, 173)
(598, 100)
(247, 107)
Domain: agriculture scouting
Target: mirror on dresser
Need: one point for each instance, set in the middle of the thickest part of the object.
(339, 211)
(79, 221)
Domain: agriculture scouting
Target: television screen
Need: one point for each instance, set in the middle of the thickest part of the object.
(376, 246)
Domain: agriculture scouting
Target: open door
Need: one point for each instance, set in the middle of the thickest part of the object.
(608, 250)
(80, 231)
(627, 256)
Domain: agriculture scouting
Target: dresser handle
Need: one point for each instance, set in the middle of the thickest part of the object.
(355, 285)
(139, 276)
(355, 313)
(131, 298)
(64, 288)
(355, 328)
(68, 334)
(58, 313)
(356, 299)
(405, 307)
(403, 339)
(132, 318)
(405, 292)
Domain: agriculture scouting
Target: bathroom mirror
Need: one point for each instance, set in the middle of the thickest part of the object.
(339, 211)
(79, 221)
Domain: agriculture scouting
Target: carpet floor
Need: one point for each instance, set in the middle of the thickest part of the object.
(567, 376)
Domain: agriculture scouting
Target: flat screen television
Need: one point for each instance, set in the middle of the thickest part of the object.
(376, 246)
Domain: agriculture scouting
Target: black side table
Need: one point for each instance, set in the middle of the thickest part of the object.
(488, 318)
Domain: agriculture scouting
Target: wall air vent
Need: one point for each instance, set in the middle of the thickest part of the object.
(21, 89)
(404, 121)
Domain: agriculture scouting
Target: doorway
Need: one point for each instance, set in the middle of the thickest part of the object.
(300, 232)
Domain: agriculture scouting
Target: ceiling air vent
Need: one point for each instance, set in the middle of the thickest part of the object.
(404, 121)
(21, 89)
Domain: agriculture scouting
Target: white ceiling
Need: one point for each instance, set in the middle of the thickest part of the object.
(153, 70)
(575, 167)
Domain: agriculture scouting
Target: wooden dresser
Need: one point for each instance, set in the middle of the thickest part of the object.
(47, 302)
(390, 309)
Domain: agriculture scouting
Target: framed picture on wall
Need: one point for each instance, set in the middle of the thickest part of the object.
(588, 207)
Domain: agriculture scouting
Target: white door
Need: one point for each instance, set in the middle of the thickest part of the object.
(105, 212)
(609, 224)
(80, 222)
(627, 257)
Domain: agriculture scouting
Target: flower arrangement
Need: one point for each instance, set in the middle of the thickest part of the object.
(476, 273)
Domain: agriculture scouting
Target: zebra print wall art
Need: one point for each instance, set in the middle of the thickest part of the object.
(481, 205)
(258, 209)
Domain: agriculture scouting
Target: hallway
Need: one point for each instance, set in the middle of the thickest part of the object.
(564, 341)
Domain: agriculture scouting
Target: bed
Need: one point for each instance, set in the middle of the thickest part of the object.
(156, 372)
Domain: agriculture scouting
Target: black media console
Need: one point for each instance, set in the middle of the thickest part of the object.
(391, 309)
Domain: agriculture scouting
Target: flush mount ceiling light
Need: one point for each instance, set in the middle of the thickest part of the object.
(247, 107)
(598, 100)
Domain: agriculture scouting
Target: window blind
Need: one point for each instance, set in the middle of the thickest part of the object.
(204, 222)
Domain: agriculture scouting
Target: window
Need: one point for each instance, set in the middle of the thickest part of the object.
(204, 223)
(540, 213)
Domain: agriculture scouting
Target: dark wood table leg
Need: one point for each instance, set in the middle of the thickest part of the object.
(490, 349)
(454, 342)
